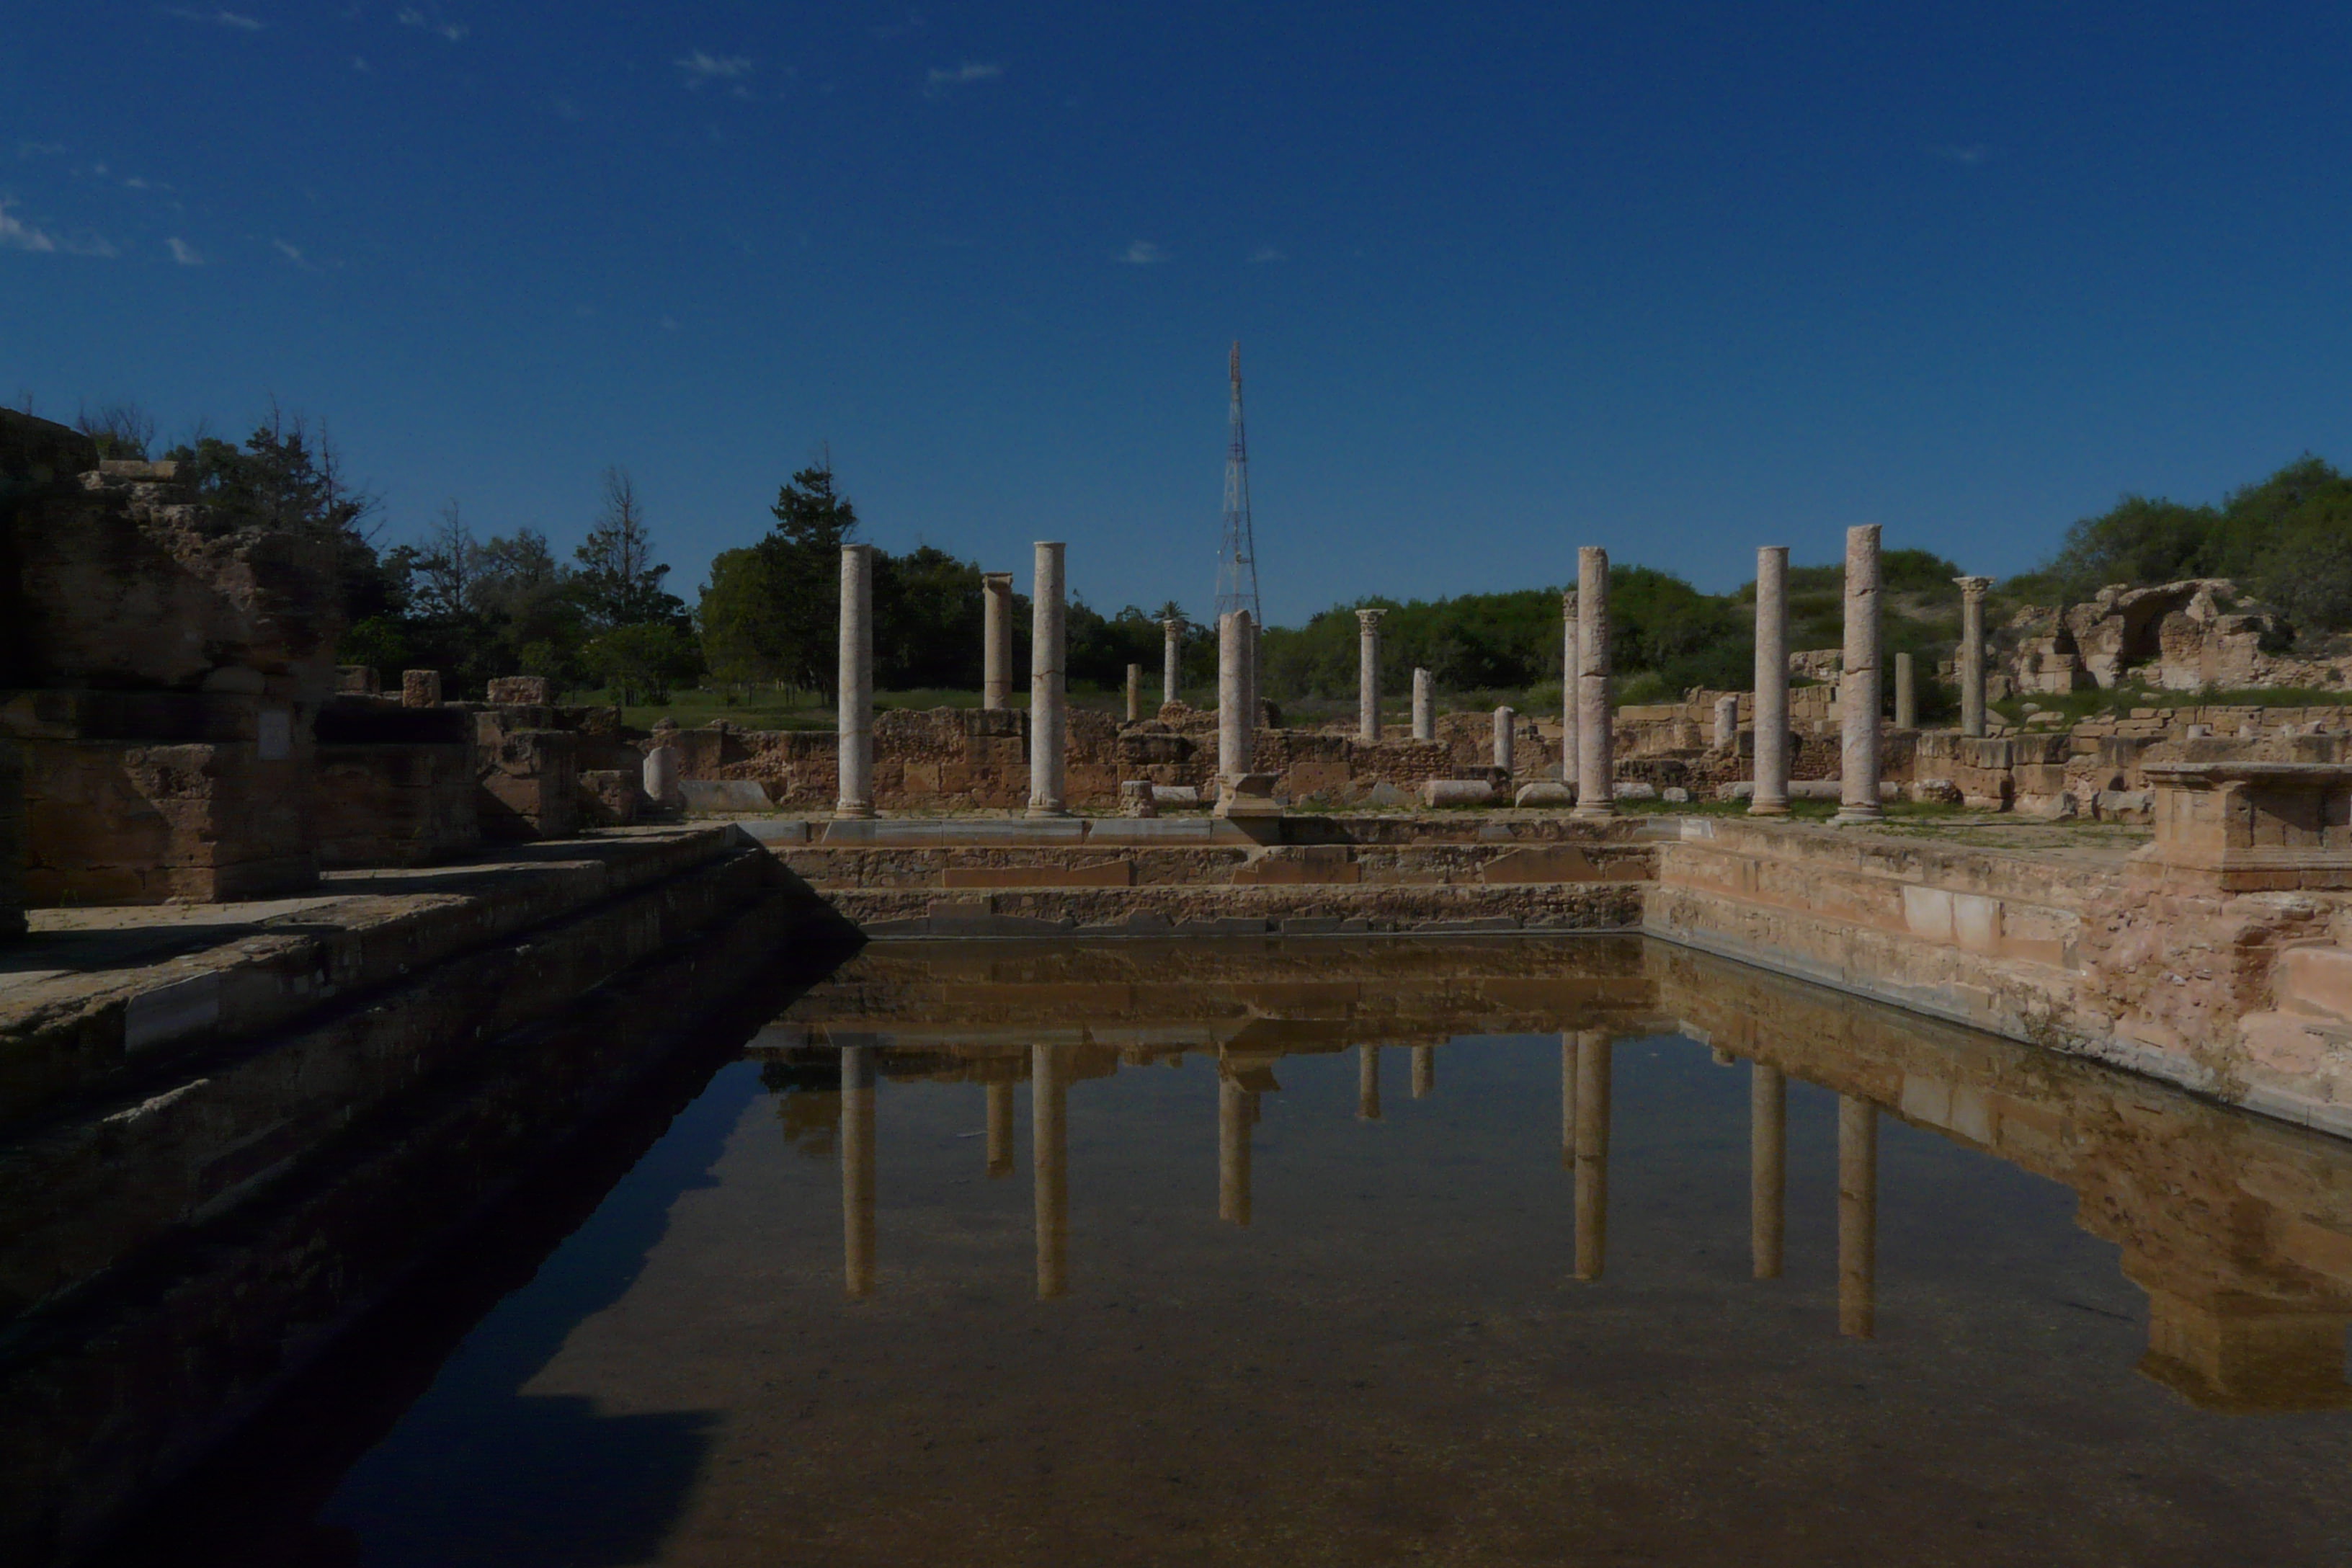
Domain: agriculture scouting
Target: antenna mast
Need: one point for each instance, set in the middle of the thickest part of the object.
(1237, 556)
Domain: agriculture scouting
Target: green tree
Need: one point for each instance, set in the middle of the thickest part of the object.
(802, 571)
(641, 662)
(617, 581)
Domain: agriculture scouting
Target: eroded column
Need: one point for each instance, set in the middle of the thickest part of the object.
(854, 718)
(1000, 1130)
(996, 639)
(1425, 708)
(1971, 660)
(1771, 796)
(1592, 1064)
(1232, 1151)
(1860, 691)
(1235, 733)
(1171, 660)
(1368, 676)
(1857, 1217)
(858, 1169)
(1049, 716)
(1595, 761)
(1505, 720)
(1367, 1083)
(1049, 1136)
(1767, 1166)
(1906, 694)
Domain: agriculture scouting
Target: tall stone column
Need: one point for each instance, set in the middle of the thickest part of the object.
(1592, 1064)
(1367, 1083)
(1368, 676)
(1049, 715)
(1232, 1151)
(1906, 694)
(1859, 687)
(1237, 732)
(855, 679)
(999, 1129)
(1571, 667)
(1425, 708)
(1596, 772)
(1771, 796)
(1767, 1166)
(1506, 720)
(1857, 1217)
(1134, 692)
(1171, 660)
(1049, 1139)
(858, 1169)
(996, 639)
(1971, 660)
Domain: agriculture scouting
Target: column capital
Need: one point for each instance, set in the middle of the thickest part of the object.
(1172, 624)
(1973, 589)
(1568, 604)
(996, 579)
(1370, 620)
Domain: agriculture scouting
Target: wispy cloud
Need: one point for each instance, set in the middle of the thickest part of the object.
(235, 19)
(940, 78)
(1268, 253)
(410, 17)
(290, 252)
(1143, 253)
(701, 67)
(15, 234)
(183, 253)
(1969, 156)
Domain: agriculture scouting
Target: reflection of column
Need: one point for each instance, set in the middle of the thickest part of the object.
(1049, 717)
(1232, 1151)
(1367, 1083)
(858, 1169)
(1857, 1217)
(999, 1129)
(1592, 1051)
(1767, 1166)
(996, 639)
(1424, 1072)
(1567, 1101)
(1049, 1139)
(1771, 796)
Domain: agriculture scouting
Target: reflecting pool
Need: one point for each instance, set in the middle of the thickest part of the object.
(1326, 1250)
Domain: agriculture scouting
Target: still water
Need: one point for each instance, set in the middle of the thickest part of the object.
(1364, 1252)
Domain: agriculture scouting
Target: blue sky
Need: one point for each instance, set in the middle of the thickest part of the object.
(1677, 279)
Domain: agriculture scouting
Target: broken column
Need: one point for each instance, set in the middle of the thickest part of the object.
(1170, 659)
(1726, 721)
(856, 679)
(1771, 796)
(1425, 709)
(1907, 694)
(1368, 676)
(1235, 733)
(1858, 682)
(1596, 798)
(1571, 664)
(996, 639)
(1049, 717)
(1972, 660)
(1767, 1166)
(1134, 692)
(1504, 720)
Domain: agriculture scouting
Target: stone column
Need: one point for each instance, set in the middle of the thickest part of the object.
(1425, 708)
(1972, 660)
(1424, 1072)
(1237, 732)
(1171, 660)
(1368, 676)
(1000, 1130)
(661, 778)
(1596, 798)
(1726, 721)
(1367, 1083)
(1859, 689)
(1857, 1217)
(1771, 796)
(858, 1169)
(1592, 1063)
(1232, 1151)
(1134, 692)
(856, 679)
(996, 640)
(1572, 667)
(1049, 1155)
(1049, 717)
(1505, 718)
(1767, 1166)
(1907, 694)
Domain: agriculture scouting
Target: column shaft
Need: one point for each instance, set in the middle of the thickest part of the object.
(1505, 722)
(1971, 659)
(1857, 1217)
(1049, 719)
(1425, 708)
(1860, 691)
(1771, 796)
(1572, 667)
(1595, 761)
(1368, 676)
(1592, 1064)
(855, 679)
(1235, 733)
(1767, 1166)
(1906, 694)
(1134, 692)
(1171, 660)
(996, 639)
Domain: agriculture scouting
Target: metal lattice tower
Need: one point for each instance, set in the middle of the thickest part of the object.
(1237, 556)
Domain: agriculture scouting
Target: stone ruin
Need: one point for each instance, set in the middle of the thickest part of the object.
(2174, 636)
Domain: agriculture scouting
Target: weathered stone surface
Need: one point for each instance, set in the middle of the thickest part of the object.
(522, 690)
(420, 689)
(1456, 792)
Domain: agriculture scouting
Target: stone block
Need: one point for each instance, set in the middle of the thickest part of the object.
(1300, 865)
(357, 680)
(723, 796)
(1544, 792)
(1136, 797)
(420, 689)
(1437, 793)
(525, 690)
(2243, 826)
(609, 798)
(530, 783)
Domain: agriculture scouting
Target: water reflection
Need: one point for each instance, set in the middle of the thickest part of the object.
(2244, 1252)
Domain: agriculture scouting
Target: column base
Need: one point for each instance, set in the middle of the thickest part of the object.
(1769, 808)
(1037, 810)
(1857, 815)
(1594, 814)
(853, 810)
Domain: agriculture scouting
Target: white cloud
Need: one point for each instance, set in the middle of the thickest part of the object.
(1267, 253)
(970, 70)
(15, 234)
(183, 253)
(410, 17)
(238, 20)
(702, 65)
(290, 252)
(1143, 253)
